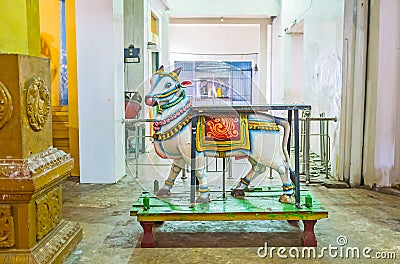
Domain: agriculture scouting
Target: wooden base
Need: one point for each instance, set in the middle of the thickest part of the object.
(148, 240)
(260, 205)
(308, 238)
(53, 248)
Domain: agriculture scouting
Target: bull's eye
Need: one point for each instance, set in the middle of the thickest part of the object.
(168, 85)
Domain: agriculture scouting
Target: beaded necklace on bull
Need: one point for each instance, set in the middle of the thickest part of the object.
(158, 124)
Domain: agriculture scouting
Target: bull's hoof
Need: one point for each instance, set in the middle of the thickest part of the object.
(202, 200)
(287, 199)
(238, 193)
(163, 192)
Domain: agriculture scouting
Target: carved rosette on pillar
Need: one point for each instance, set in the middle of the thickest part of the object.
(31, 170)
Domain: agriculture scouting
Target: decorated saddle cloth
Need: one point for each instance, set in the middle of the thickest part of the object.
(222, 133)
(228, 132)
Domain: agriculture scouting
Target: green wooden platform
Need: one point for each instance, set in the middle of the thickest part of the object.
(260, 204)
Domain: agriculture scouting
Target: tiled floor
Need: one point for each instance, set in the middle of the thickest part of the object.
(364, 218)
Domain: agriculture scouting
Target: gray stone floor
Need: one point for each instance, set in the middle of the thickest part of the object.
(364, 218)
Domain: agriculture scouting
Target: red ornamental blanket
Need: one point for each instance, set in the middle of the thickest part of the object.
(222, 133)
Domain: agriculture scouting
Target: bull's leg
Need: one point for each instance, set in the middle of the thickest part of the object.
(256, 169)
(282, 169)
(204, 191)
(176, 167)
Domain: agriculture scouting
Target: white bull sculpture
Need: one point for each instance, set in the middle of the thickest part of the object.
(172, 139)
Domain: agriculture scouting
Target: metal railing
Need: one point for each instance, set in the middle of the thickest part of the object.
(134, 124)
(324, 138)
(305, 135)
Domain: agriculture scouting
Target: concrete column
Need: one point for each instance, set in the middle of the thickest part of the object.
(262, 94)
(164, 60)
(371, 94)
(134, 17)
(100, 35)
(72, 86)
(381, 156)
(387, 93)
(358, 103)
(353, 91)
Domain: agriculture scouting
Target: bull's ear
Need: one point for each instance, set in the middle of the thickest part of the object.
(185, 84)
(177, 71)
(161, 68)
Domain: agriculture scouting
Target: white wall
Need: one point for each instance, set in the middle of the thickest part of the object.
(137, 24)
(387, 111)
(214, 38)
(323, 30)
(231, 10)
(297, 70)
(232, 39)
(277, 91)
(134, 17)
(100, 81)
(227, 8)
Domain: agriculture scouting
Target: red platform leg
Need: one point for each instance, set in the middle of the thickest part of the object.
(148, 238)
(308, 238)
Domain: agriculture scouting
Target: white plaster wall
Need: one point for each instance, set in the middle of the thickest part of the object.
(165, 55)
(134, 17)
(100, 82)
(138, 32)
(214, 38)
(323, 38)
(368, 155)
(118, 75)
(387, 112)
(239, 42)
(323, 30)
(297, 70)
(160, 11)
(277, 91)
(227, 8)
(230, 10)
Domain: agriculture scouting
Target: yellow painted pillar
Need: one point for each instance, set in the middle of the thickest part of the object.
(20, 27)
(50, 48)
(50, 43)
(31, 174)
(72, 85)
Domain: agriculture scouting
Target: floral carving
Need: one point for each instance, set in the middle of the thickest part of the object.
(48, 212)
(5, 105)
(6, 227)
(37, 103)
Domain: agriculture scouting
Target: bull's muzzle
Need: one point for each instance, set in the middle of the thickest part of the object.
(150, 101)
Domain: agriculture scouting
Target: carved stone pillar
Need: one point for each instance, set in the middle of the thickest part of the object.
(31, 170)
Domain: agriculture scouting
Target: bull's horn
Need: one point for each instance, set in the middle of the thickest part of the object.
(177, 71)
(161, 68)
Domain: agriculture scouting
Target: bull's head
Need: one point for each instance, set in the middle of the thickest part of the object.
(165, 87)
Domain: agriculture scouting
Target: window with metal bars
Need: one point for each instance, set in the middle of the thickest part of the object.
(218, 81)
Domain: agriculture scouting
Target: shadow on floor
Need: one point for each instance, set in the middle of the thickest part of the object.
(225, 239)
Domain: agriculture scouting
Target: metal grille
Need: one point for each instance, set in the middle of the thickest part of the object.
(228, 82)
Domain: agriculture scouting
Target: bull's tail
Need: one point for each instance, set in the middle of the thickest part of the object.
(286, 129)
